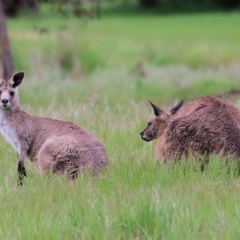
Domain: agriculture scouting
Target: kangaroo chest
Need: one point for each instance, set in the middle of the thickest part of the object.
(10, 134)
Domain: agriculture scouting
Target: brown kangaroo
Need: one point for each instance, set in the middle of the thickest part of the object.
(203, 126)
(51, 145)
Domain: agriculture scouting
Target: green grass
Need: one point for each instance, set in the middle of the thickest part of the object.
(100, 74)
(131, 198)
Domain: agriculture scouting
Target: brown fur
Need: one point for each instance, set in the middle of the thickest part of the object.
(203, 126)
(157, 126)
(50, 144)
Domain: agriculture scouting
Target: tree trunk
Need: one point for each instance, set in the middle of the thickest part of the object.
(7, 65)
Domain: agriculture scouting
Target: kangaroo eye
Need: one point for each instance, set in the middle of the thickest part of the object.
(12, 94)
(149, 124)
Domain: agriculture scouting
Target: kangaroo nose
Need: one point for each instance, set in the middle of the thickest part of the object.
(4, 101)
(141, 133)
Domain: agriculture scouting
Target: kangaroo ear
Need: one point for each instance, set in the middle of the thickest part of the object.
(157, 110)
(176, 108)
(17, 79)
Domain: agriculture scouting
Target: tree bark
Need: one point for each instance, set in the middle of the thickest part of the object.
(7, 64)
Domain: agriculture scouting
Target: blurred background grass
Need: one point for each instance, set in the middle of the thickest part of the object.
(181, 52)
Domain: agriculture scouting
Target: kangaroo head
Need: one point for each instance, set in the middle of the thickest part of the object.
(8, 91)
(157, 124)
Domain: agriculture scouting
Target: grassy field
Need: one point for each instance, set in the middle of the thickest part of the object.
(100, 74)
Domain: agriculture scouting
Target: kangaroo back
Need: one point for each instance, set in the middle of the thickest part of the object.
(204, 126)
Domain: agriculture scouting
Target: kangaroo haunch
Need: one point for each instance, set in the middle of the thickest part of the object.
(50, 144)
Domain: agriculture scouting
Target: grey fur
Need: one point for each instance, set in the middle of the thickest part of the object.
(51, 145)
